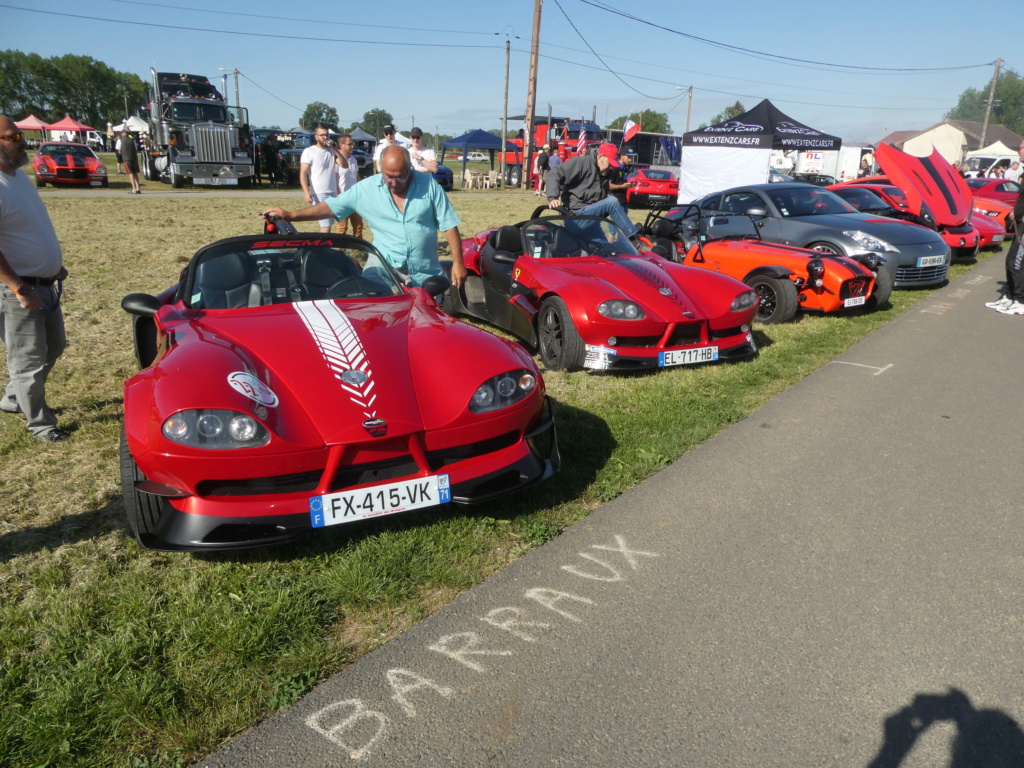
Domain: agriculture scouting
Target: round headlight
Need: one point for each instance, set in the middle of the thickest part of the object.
(527, 382)
(209, 425)
(815, 267)
(483, 397)
(243, 428)
(176, 427)
(506, 386)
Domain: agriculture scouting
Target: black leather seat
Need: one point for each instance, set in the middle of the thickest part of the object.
(322, 269)
(224, 282)
(508, 240)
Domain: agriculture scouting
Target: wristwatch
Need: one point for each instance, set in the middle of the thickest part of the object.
(21, 288)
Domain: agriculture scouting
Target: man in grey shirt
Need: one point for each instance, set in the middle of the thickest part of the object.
(581, 185)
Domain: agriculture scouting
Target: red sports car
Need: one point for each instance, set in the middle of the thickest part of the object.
(61, 162)
(990, 231)
(575, 288)
(292, 381)
(651, 186)
(929, 192)
(995, 189)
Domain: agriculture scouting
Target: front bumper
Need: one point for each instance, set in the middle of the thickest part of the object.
(204, 523)
(211, 174)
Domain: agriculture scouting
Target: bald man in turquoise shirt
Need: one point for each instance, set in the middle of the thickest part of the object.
(405, 209)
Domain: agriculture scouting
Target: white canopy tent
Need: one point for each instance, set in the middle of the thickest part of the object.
(133, 124)
(739, 151)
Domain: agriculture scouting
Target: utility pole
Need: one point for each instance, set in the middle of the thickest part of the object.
(504, 115)
(689, 108)
(531, 97)
(238, 99)
(988, 106)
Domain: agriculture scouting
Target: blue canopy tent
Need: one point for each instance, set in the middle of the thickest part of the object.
(479, 140)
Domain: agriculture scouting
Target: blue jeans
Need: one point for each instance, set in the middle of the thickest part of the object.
(34, 340)
(613, 209)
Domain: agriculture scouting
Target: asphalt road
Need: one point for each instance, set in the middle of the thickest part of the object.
(831, 582)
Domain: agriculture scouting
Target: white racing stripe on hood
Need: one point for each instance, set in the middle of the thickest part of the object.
(342, 350)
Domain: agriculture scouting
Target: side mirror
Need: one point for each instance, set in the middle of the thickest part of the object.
(141, 304)
(757, 212)
(435, 285)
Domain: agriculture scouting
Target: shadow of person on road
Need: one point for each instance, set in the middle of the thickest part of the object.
(986, 738)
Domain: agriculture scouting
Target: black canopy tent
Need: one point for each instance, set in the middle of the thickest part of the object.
(478, 140)
(738, 151)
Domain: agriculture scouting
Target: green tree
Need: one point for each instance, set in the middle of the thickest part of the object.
(728, 113)
(374, 121)
(79, 86)
(319, 113)
(648, 120)
(1007, 106)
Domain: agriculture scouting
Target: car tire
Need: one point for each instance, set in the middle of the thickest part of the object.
(40, 183)
(448, 305)
(829, 248)
(177, 180)
(778, 299)
(515, 175)
(558, 341)
(142, 510)
(883, 289)
(105, 183)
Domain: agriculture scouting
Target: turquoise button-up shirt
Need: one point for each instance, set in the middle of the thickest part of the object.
(407, 239)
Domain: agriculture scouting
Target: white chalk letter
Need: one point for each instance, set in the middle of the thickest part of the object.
(615, 575)
(549, 598)
(620, 547)
(512, 624)
(402, 681)
(470, 647)
(337, 733)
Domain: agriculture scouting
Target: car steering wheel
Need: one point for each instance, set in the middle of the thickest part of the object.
(360, 287)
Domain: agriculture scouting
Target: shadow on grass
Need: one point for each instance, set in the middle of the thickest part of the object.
(71, 529)
(584, 441)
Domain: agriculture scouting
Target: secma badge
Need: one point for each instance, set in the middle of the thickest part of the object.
(376, 427)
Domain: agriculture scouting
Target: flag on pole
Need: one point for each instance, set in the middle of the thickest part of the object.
(630, 129)
(581, 145)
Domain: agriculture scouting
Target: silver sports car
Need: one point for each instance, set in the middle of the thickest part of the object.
(811, 217)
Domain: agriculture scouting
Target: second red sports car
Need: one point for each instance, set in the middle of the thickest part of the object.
(651, 186)
(62, 162)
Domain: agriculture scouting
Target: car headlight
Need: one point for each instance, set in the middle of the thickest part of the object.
(745, 300)
(815, 268)
(620, 310)
(101, 170)
(870, 242)
(213, 428)
(502, 391)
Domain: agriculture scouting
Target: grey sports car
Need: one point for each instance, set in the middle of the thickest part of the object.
(811, 217)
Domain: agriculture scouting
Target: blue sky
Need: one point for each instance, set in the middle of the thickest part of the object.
(444, 63)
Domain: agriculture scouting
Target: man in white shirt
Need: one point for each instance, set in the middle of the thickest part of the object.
(31, 273)
(348, 175)
(317, 173)
(388, 141)
(1013, 172)
(423, 159)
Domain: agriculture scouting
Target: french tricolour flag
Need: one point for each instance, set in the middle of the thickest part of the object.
(630, 129)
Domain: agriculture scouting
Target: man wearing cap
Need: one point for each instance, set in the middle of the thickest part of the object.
(388, 141)
(581, 185)
(422, 159)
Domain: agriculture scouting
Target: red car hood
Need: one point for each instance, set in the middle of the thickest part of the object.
(304, 357)
(930, 180)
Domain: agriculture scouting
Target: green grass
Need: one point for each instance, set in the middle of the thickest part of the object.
(113, 656)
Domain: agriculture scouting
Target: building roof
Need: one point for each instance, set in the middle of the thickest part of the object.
(971, 130)
(899, 138)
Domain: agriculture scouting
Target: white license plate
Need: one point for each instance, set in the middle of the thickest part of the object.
(377, 500)
(931, 261)
(854, 302)
(997, 238)
(95, 183)
(217, 181)
(687, 356)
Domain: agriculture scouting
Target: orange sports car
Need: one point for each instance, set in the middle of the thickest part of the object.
(64, 162)
(786, 278)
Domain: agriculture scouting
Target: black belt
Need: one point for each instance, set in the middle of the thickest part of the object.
(38, 280)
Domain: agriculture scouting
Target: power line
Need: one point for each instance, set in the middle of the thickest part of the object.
(302, 38)
(777, 57)
(318, 21)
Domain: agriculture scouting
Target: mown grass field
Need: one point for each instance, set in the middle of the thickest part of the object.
(113, 656)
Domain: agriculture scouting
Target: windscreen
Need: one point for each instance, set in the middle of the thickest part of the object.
(76, 150)
(235, 275)
(557, 238)
(808, 201)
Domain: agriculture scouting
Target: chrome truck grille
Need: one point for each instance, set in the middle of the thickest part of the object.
(212, 143)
